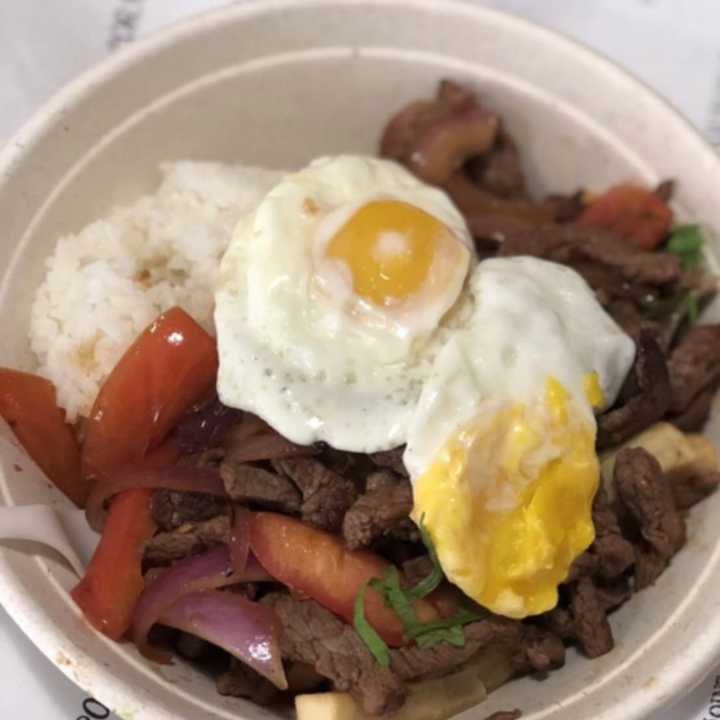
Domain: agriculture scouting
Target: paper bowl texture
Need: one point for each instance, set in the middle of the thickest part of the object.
(277, 83)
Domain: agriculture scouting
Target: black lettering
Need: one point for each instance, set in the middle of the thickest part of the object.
(95, 709)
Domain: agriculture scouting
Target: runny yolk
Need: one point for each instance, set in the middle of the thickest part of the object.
(391, 247)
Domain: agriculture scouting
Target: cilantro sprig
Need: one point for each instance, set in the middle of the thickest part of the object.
(401, 600)
(686, 241)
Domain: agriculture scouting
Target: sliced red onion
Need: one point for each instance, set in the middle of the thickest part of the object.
(267, 446)
(209, 570)
(247, 630)
(183, 478)
(204, 426)
(240, 539)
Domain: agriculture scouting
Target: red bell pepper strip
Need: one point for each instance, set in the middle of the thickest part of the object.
(28, 404)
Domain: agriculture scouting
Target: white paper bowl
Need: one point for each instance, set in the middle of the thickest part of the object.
(277, 83)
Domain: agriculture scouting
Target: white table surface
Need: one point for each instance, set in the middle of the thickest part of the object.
(674, 45)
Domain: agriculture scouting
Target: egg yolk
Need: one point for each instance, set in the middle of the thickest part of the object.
(508, 502)
(393, 249)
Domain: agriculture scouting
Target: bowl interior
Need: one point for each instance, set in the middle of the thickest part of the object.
(278, 84)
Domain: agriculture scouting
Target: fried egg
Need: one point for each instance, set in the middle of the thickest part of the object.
(351, 309)
(501, 447)
(330, 297)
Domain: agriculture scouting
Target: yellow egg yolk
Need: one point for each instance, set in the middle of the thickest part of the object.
(393, 249)
(508, 502)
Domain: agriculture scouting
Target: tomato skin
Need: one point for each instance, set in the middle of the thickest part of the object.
(28, 404)
(113, 581)
(318, 564)
(633, 212)
(171, 364)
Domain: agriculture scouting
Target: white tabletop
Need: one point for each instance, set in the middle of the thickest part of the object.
(674, 45)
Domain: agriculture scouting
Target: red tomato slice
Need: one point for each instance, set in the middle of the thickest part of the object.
(113, 581)
(170, 366)
(319, 565)
(29, 406)
(632, 212)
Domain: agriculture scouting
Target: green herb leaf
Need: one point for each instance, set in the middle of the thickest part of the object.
(428, 584)
(452, 635)
(686, 242)
(367, 632)
(399, 599)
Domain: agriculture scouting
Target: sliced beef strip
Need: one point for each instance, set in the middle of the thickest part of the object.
(188, 539)
(249, 484)
(665, 190)
(691, 489)
(391, 459)
(695, 415)
(541, 650)
(613, 594)
(414, 663)
(326, 496)
(387, 500)
(172, 509)
(314, 636)
(568, 207)
(644, 492)
(417, 569)
(590, 623)
(350, 465)
(571, 244)
(694, 365)
(649, 566)
(644, 398)
(242, 681)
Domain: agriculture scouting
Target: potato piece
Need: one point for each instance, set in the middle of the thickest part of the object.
(679, 455)
(429, 700)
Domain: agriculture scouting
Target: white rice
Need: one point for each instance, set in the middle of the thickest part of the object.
(107, 283)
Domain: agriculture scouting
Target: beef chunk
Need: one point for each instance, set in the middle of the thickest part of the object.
(541, 650)
(249, 484)
(326, 496)
(188, 539)
(387, 499)
(645, 493)
(645, 396)
(694, 365)
(242, 681)
(412, 663)
(613, 594)
(500, 171)
(590, 623)
(665, 190)
(172, 509)
(568, 207)
(314, 636)
(613, 553)
(690, 489)
(391, 459)
(649, 566)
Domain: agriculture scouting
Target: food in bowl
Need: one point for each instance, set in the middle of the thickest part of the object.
(443, 429)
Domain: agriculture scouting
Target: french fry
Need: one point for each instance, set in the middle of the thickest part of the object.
(680, 455)
(436, 699)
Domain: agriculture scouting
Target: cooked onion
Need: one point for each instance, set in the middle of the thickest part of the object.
(209, 570)
(182, 478)
(247, 630)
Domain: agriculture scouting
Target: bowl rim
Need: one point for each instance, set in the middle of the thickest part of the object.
(639, 702)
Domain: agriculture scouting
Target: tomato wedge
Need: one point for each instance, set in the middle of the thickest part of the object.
(28, 404)
(112, 584)
(319, 565)
(168, 368)
(632, 212)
